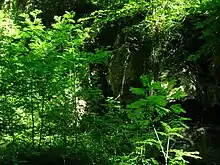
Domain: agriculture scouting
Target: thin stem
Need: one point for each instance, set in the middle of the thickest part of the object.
(42, 120)
(32, 114)
(162, 148)
(167, 154)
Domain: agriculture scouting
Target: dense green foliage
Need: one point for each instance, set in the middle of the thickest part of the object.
(104, 81)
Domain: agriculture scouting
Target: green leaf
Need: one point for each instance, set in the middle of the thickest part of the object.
(137, 91)
(178, 95)
(138, 104)
(157, 100)
(176, 108)
(145, 80)
(176, 134)
(164, 109)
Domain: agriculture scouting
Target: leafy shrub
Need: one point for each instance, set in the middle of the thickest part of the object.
(156, 129)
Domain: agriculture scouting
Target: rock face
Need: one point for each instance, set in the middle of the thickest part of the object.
(125, 70)
(205, 139)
